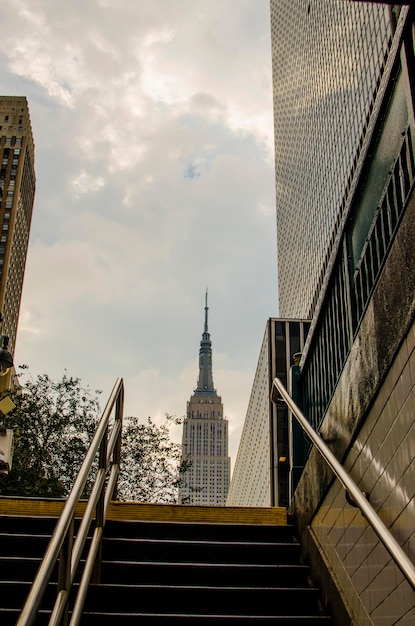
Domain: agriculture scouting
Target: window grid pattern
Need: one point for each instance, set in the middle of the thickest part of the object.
(205, 448)
(330, 92)
(18, 182)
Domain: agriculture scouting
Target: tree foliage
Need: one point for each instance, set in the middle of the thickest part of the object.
(54, 422)
(151, 469)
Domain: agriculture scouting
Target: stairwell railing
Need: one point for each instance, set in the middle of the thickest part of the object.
(64, 547)
(352, 490)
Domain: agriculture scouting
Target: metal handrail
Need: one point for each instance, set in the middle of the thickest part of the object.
(62, 545)
(392, 546)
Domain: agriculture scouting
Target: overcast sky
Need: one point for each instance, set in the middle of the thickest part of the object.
(153, 131)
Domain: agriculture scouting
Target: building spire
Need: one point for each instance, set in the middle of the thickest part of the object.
(205, 380)
(206, 311)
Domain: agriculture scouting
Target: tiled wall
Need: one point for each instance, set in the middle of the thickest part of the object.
(382, 462)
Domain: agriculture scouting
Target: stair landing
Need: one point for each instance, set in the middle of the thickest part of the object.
(48, 507)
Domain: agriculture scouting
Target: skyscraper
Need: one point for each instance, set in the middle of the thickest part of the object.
(261, 474)
(17, 189)
(328, 60)
(205, 437)
(344, 113)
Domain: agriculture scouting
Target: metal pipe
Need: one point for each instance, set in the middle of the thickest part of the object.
(59, 608)
(115, 432)
(34, 598)
(93, 551)
(61, 600)
(392, 546)
(111, 485)
(86, 522)
(86, 576)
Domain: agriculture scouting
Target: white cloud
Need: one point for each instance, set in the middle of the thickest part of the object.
(153, 132)
(85, 183)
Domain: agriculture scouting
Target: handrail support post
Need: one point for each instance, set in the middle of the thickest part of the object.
(64, 572)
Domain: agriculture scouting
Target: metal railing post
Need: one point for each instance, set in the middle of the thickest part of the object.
(99, 510)
(119, 412)
(61, 544)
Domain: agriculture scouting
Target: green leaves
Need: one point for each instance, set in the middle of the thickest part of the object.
(150, 462)
(53, 424)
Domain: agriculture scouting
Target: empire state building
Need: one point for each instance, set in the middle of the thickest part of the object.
(205, 437)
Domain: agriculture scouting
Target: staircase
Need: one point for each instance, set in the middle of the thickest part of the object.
(213, 568)
(23, 541)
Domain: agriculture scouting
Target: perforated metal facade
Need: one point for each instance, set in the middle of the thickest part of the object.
(328, 59)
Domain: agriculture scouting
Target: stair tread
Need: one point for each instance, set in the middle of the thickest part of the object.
(216, 615)
(307, 590)
(28, 534)
(171, 565)
(209, 599)
(204, 542)
(202, 564)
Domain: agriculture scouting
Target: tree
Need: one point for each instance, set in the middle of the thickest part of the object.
(151, 469)
(53, 424)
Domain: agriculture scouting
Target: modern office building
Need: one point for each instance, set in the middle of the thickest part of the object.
(344, 118)
(261, 475)
(17, 189)
(328, 62)
(205, 437)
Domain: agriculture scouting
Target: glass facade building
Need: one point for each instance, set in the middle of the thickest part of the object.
(323, 101)
(344, 103)
(344, 154)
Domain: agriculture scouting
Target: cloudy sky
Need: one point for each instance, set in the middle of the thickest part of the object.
(153, 132)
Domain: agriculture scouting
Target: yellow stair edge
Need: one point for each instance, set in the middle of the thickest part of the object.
(211, 514)
(49, 507)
